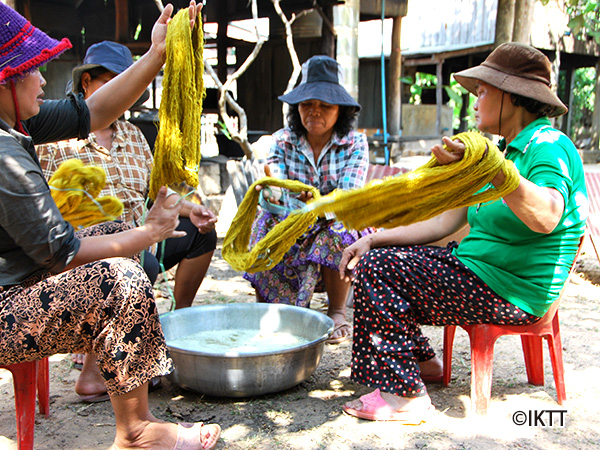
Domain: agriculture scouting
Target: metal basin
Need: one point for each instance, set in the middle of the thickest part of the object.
(245, 373)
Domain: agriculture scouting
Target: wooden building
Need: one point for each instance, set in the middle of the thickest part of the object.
(129, 22)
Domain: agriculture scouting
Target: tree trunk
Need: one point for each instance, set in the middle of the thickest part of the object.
(505, 21)
(522, 22)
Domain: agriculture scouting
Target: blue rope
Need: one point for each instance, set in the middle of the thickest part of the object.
(161, 264)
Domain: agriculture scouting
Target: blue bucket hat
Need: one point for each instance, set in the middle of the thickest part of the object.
(321, 77)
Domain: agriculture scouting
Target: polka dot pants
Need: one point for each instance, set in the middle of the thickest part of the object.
(397, 289)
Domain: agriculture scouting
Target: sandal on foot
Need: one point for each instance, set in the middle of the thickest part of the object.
(343, 338)
(94, 398)
(432, 379)
(154, 384)
(190, 434)
(76, 365)
(374, 407)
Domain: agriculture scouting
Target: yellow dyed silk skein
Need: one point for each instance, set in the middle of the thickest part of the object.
(177, 148)
(413, 197)
(74, 188)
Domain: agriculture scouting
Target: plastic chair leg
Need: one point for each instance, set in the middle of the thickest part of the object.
(24, 381)
(449, 332)
(43, 386)
(533, 353)
(556, 357)
(482, 366)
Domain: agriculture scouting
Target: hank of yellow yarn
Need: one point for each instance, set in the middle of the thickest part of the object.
(425, 192)
(177, 148)
(277, 242)
(394, 201)
(74, 188)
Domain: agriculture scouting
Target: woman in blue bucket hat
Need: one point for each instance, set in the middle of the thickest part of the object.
(61, 291)
(320, 148)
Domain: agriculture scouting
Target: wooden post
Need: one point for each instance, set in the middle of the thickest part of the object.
(569, 81)
(439, 98)
(596, 113)
(222, 44)
(121, 21)
(327, 34)
(395, 94)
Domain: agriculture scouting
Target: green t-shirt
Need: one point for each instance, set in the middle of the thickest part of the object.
(527, 268)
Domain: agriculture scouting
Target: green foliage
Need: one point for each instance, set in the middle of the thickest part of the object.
(584, 18)
(455, 92)
(222, 127)
(584, 84)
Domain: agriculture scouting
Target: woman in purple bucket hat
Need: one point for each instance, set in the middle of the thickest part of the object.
(63, 292)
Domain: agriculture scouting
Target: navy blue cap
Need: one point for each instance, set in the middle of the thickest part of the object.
(112, 56)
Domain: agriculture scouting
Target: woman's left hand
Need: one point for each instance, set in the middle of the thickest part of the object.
(455, 152)
(304, 196)
(203, 218)
(159, 31)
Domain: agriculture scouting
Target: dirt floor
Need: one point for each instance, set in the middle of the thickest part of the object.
(309, 415)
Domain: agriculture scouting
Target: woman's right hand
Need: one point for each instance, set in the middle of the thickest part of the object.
(455, 152)
(162, 220)
(272, 194)
(351, 255)
(159, 30)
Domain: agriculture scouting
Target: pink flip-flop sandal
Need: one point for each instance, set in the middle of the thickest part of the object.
(374, 407)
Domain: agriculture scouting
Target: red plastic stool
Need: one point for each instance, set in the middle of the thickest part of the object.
(29, 378)
(483, 337)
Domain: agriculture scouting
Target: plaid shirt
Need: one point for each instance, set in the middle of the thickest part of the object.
(127, 165)
(342, 164)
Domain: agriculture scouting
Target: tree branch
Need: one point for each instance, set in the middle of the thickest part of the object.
(289, 40)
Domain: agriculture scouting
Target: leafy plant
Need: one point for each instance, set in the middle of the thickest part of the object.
(224, 130)
(583, 97)
(455, 92)
(584, 17)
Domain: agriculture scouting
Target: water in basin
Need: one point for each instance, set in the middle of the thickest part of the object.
(229, 341)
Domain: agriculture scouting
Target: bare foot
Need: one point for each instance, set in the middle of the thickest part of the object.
(432, 368)
(166, 436)
(342, 330)
(90, 382)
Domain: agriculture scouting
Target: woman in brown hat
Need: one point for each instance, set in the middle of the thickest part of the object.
(320, 148)
(61, 291)
(509, 268)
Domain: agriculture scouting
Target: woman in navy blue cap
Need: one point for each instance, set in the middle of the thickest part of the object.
(123, 152)
(60, 292)
(320, 148)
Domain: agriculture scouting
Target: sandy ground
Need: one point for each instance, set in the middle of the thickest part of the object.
(309, 415)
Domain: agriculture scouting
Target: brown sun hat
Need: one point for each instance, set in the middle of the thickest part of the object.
(517, 69)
